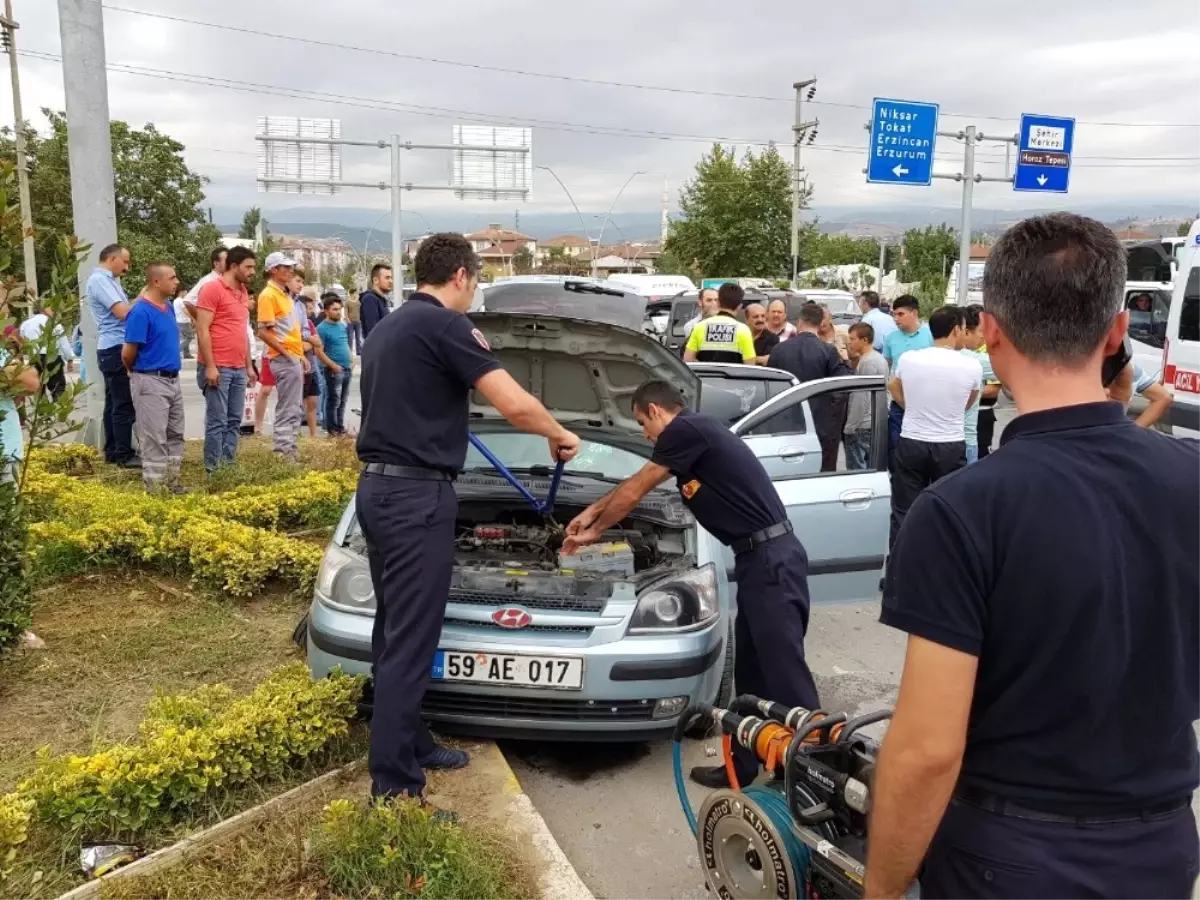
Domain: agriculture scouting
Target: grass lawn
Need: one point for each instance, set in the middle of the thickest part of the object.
(116, 638)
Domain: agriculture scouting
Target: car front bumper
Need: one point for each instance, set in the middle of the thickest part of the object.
(624, 679)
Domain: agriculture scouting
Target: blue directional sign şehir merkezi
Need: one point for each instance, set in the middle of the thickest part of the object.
(903, 133)
(1044, 154)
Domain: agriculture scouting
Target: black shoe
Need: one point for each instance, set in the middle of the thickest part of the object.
(445, 758)
(710, 776)
(133, 462)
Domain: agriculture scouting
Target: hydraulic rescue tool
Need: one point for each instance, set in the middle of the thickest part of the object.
(802, 833)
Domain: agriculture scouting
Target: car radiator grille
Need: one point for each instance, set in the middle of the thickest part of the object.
(581, 630)
(529, 601)
(456, 704)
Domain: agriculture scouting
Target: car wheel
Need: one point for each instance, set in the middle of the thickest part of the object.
(300, 634)
(704, 728)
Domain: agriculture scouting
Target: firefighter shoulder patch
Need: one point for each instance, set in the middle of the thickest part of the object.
(480, 339)
(689, 490)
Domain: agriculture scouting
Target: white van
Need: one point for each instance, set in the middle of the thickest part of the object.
(1181, 350)
(653, 287)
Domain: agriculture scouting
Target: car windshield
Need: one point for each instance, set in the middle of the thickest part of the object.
(524, 451)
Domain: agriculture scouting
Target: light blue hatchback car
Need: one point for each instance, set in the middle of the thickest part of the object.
(616, 646)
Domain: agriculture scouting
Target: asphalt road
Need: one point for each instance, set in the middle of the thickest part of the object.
(613, 807)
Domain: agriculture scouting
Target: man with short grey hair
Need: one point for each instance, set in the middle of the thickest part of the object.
(1043, 600)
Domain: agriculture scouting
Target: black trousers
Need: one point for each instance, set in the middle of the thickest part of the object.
(409, 528)
(119, 414)
(987, 430)
(772, 619)
(916, 466)
(55, 377)
(981, 854)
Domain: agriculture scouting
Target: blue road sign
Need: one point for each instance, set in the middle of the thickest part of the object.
(902, 137)
(1044, 154)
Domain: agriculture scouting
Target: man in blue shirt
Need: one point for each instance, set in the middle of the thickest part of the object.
(109, 306)
(909, 334)
(374, 301)
(151, 355)
(336, 337)
(880, 321)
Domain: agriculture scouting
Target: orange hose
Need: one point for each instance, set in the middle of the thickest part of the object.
(730, 772)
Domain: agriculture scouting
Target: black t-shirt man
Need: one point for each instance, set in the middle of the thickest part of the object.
(766, 341)
(1102, 613)
(417, 374)
(720, 479)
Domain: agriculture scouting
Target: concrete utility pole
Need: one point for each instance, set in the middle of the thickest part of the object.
(799, 130)
(89, 141)
(964, 236)
(10, 46)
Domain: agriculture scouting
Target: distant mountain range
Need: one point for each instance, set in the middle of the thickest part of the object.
(357, 225)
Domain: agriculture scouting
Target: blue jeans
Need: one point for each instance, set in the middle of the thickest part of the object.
(337, 392)
(858, 449)
(895, 424)
(223, 408)
(972, 453)
(322, 374)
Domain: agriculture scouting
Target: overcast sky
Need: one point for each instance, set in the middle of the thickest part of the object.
(1100, 62)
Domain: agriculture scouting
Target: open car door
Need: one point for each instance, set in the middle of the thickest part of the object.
(840, 515)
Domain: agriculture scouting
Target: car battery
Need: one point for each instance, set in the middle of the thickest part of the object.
(612, 558)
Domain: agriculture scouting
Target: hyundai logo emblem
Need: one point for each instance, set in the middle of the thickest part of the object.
(511, 618)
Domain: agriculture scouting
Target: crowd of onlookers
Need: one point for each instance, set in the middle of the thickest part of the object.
(941, 387)
(289, 341)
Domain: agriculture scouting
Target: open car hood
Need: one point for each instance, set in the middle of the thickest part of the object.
(584, 372)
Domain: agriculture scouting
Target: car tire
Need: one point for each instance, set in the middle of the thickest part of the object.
(300, 634)
(705, 727)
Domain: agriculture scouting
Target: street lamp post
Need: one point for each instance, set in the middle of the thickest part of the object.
(608, 215)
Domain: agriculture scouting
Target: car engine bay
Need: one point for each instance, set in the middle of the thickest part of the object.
(495, 534)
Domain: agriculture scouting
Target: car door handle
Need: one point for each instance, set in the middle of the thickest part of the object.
(859, 498)
(791, 452)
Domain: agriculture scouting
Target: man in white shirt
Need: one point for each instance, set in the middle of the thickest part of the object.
(52, 369)
(708, 309)
(935, 387)
(185, 306)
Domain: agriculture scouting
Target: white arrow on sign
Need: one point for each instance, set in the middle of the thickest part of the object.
(1041, 180)
(899, 170)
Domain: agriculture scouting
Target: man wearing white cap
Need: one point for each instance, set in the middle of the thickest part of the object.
(279, 328)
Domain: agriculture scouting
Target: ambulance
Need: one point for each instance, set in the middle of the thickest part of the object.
(1181, 350)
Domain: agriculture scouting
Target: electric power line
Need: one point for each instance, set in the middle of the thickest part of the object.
(555, 125)
(229, 27)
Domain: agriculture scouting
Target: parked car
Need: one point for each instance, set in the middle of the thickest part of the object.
(633, 638)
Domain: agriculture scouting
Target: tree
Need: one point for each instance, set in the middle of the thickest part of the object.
(736, 216)
(250, 221)
(522, 262)
(1184, 227)
(928, 254)
(158, 198)
(45, 418)
(817, 249)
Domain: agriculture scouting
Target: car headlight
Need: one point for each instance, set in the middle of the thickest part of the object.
(344, 581)
(679, 603)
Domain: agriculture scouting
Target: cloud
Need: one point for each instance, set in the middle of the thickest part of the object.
(1096, 62)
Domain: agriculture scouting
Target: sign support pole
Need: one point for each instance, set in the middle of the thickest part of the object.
(964, 235)
(397, 237)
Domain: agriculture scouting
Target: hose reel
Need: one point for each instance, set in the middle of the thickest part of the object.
(802, 833)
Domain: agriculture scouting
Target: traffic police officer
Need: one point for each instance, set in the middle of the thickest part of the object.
(722, 338)
(417, 373)
(1049, 593)
(730, 494)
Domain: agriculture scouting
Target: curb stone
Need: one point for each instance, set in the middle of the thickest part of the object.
(558, 878)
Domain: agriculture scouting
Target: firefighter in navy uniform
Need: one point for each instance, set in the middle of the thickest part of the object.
(730, 494)
(417, 373)
(722, 338)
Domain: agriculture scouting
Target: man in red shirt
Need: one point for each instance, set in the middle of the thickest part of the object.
(225, 364)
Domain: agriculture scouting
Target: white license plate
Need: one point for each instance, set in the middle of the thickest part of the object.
(502, 668)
